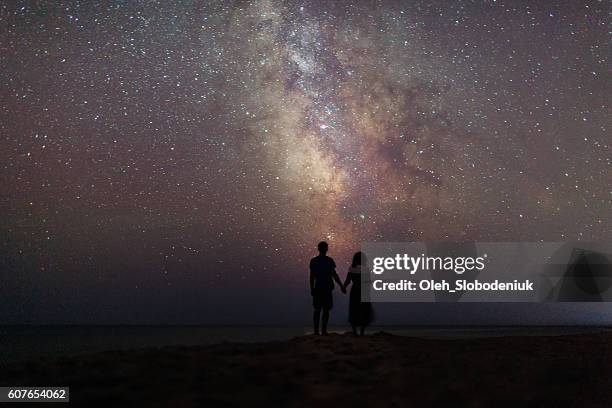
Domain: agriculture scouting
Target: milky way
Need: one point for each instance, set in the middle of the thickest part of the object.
(154, 147)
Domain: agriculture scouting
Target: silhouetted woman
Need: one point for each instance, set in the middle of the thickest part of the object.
(360, 313)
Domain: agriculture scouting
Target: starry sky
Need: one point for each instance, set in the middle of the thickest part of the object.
(178, 161)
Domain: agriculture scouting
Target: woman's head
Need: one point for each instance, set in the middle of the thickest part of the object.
(357, 259)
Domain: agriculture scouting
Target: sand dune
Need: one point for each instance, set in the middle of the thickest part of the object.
(340, 370)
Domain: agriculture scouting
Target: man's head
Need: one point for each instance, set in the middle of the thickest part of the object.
(322, 246)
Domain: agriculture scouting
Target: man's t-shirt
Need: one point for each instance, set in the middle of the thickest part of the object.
(323, 267)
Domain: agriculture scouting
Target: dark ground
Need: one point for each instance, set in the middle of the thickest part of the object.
(339, 370)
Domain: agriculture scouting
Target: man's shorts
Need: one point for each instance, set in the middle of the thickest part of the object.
(323, 300)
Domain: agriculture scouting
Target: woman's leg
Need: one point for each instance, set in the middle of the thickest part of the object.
(362, 330)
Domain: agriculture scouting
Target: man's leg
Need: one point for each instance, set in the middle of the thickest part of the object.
(315, 320)
(325, 320)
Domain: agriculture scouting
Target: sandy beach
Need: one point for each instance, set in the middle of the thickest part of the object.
(339, 370)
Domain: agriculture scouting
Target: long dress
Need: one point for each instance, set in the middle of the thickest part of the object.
(360, 313)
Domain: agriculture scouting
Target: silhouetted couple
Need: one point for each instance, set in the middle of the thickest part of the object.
(322, 276)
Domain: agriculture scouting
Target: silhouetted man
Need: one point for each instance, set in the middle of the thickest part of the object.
(322, 275)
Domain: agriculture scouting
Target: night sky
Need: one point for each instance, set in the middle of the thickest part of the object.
(178, 161)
